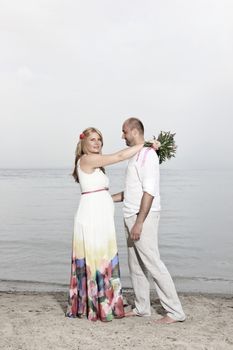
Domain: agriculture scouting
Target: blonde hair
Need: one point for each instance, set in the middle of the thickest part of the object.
(80, 148)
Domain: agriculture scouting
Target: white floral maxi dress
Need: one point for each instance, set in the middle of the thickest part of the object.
(95, 287)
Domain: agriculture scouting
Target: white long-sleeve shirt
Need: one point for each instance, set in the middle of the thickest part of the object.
(142, 175)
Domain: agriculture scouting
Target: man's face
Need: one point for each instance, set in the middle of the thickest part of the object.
(128, 135)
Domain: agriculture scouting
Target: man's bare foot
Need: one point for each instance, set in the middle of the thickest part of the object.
(166, 320)
(130, 313)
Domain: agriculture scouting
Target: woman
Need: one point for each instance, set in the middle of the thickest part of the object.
(95, 287)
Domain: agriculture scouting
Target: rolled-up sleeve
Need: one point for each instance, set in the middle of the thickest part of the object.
(149, 172)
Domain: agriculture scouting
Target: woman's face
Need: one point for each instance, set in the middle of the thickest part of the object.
(93, 143)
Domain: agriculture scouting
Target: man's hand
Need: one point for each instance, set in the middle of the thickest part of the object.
(136, 231)
(145, 206)
(118, 197)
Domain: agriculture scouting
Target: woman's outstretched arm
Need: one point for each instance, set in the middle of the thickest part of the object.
(92, 161)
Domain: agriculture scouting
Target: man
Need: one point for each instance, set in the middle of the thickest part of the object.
(141, 218)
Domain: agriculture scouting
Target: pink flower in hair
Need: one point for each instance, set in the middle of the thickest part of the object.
(82, 136)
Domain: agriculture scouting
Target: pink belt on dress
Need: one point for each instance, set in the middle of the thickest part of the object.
(101, 189)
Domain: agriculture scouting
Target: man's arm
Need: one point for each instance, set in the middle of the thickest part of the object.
(118, 197)
(145, 206)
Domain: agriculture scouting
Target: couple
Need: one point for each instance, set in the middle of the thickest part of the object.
(95, 287)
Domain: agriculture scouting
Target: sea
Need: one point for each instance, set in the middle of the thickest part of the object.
(37, 208)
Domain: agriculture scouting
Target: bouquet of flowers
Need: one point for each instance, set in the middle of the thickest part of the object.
(164, 145)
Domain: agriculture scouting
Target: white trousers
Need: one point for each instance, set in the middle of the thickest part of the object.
(144, 258)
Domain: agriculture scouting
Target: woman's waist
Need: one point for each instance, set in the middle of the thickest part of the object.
(94, 190)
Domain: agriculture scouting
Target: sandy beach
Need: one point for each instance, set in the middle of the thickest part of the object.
(36, 321)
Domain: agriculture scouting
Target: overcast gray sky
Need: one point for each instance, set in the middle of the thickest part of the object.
(67, 65)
